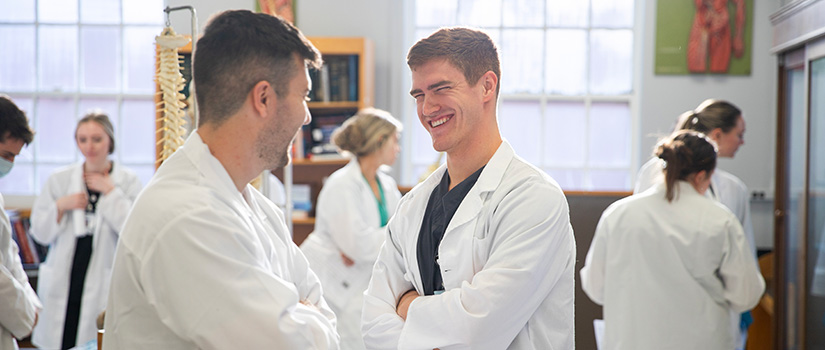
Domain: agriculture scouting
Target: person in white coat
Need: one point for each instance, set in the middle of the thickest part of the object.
(79, 214)
(18, 301)
(353, 209)
(205, 261)
(481, 254)
(723, 123)
(669, 264)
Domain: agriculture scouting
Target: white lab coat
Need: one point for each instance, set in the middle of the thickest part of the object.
(17, 298)
(54, 273)
(728, 190)
(669, 274)
(347, 220)
(202, 266)
(506, 258)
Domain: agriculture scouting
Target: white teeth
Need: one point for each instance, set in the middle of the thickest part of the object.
(439, 122)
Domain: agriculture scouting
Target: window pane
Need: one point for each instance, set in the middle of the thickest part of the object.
(139, 119)
(99, 63)
(568, 179)
(521, 56)
(611, 61)
(20, 181)
(55, 130)
(520, 123)
(17, 71)
(57, 46)
(139, 59)
(565, 134)
(566, 62)
(566, 13)
(480, 13)
(612, 13)
(144, 172)
(26, 104)
(143, 12)
(609, 139)
(19, 11)
(523, 13)
(610, 180)
(100, 11)
(57, 11)
(435, 13)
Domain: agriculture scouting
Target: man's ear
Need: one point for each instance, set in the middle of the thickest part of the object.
(489, 82)
(263, 98)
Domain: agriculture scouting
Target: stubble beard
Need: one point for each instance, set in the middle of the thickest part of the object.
(271, 149)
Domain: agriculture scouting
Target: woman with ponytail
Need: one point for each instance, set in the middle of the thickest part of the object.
(669, 265)
(723, 123)
(353, 209)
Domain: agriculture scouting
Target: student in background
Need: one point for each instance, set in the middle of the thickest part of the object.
(481, 254)
(79, 214)
(19, 305)
(205, 261)
(353, 209)
(723, 123)
(669, 264)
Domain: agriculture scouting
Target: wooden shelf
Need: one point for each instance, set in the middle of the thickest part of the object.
(333, 106)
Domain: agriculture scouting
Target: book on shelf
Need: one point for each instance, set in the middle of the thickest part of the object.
(336, 80)
(31, 252)
(301, 201)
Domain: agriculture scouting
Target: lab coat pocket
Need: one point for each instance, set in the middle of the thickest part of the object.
(481, 246)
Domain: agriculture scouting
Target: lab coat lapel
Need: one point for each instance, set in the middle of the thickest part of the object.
(488, 181)
(76, 185)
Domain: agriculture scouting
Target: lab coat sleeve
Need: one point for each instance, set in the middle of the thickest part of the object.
(341, 207)
(743, 283)
(307, 283)
(593, 272)
(20, 303)
(115, 205)
(44, 225)
(533, 246)
(380, 324)
(210, 283)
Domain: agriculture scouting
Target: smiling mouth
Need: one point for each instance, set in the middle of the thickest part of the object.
(438, 122)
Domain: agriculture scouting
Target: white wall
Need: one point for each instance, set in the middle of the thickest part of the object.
(664, 97)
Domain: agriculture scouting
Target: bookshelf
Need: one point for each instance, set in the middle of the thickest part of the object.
(328, 113)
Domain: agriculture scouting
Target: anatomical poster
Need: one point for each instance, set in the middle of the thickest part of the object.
(704, 37)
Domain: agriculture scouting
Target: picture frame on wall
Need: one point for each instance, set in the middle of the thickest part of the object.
(704, 37)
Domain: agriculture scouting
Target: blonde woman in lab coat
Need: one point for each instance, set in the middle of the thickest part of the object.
(723, 123)
(353, 209)
(670, 264)
(79, 214)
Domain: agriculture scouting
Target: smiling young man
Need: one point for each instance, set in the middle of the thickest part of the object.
(205, 261)
(481, 254)
(18, 301)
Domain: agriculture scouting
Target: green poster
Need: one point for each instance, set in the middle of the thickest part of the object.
(704, 37)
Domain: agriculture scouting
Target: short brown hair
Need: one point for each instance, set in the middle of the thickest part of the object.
(239, 49)
(101, 119)
(13, 122)
(470, 50)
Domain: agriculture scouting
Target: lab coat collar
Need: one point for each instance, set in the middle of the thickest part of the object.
(488, 181)
(213, 171)
(682, 189)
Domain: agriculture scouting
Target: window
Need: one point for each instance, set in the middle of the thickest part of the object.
(567, 87)
(62, 58)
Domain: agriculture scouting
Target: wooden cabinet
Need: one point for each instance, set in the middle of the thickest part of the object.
(313, 172)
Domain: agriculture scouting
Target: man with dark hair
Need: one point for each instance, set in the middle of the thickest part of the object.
(481, 254)
(205, 261)
(18, 300)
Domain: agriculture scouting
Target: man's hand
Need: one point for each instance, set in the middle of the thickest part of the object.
(404, 303)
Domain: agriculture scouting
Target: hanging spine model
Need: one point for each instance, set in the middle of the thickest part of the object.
(171, 82)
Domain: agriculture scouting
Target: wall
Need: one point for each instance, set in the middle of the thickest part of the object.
(664, 97)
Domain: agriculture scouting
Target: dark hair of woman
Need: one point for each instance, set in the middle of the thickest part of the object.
(684, 153)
